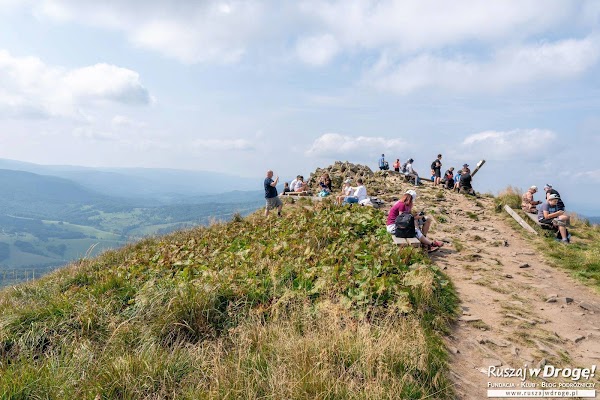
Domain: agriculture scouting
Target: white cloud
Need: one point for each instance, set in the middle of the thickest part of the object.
(223, 144)
(121, 121)
(224, 31)
(207, 31)
(518, 144)
(29, 88)
(589, 176)
(417, 25)
(508, 67)
(334, 145)
(317, 50)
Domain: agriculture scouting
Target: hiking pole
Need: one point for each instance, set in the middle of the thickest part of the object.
(479, 164)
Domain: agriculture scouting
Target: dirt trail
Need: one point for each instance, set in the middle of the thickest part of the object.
(504, 283)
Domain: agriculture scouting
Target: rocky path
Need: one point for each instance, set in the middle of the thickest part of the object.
(517, 310)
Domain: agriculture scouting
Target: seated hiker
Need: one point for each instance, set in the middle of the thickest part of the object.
(286, 188)
(360, 193)
(528, 204)
(383, 165)
(325, 185)
(301, 186)
(448, 179)
(293, 183)
(397, 165)
(465, 182)
(549, 190)
(347, 190)
(410, 172)
(400, 218)
(550, 214)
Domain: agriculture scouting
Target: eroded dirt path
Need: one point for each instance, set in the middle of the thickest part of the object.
(517, 309)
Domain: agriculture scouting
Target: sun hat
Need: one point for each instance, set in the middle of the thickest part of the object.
(554, 197)
(412, 193)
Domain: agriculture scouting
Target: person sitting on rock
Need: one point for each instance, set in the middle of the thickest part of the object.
(465, 181)
(550, 214)
(528, 204)
(410, 172)
(448, 179)
(347, 190)
(422, 223)
(301, 186)
(360, 193)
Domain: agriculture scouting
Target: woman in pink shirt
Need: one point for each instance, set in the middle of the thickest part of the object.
(405, 205)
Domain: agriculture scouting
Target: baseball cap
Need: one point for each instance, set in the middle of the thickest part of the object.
(533, 187)
(465, 165)
(348, 180)
(412, 193)
(553, 196)
(548, 186)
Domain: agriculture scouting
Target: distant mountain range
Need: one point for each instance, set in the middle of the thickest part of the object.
(163, 185)
(594, 220)
(48, 219)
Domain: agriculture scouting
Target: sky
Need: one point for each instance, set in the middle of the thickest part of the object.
(245, 86)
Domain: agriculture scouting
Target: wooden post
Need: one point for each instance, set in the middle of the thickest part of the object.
(519, 219)
(479, 165)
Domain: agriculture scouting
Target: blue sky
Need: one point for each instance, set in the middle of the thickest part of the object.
(244, 86)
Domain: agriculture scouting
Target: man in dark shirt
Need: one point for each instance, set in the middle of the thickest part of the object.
(548, 189)
(465, 182)
(273, 201)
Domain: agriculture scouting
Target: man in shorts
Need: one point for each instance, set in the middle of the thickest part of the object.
(273, 201)
(436, 167)
(550, 214)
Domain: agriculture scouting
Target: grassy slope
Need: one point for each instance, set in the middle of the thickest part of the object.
(319, 304)
(581, 257)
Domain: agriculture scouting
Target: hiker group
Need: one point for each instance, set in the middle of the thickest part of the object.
(461, 182)
(551, 213)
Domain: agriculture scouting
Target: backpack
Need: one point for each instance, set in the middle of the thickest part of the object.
(403, 169)
(405, 226)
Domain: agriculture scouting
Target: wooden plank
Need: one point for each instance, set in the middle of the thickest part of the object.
(533, 217)
(414, 242)
(519, 219)
(402, 242)
(479, 165)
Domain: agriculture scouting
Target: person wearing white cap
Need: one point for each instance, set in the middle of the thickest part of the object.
(549, 214)
(528, 204)
(404, 206)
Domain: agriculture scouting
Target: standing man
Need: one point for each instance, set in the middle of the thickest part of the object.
(383, 165)
(273, 201)
(436, 166)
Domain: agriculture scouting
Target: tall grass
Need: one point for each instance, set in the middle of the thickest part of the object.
(320, 304)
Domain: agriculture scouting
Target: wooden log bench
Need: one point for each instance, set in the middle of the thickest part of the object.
(404, 242)
(519, 220)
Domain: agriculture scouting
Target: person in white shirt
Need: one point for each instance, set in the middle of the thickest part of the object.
(347, 190)
(293, 184)
(411, 172)
(360, 193)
